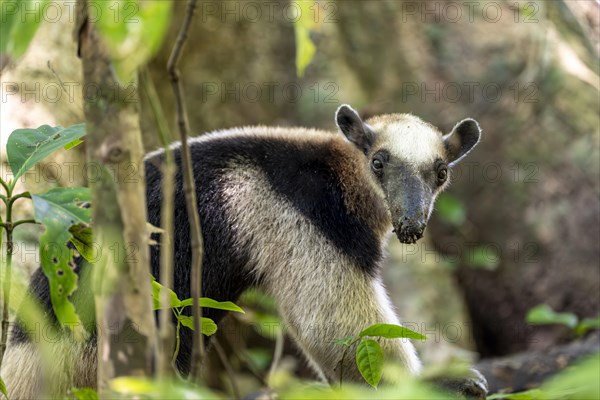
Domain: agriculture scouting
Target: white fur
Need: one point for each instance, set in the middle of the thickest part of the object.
(322, 295)
(69, 364)
(410, 139)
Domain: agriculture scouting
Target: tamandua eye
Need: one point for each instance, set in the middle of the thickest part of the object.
(442, 174)
(377, 165)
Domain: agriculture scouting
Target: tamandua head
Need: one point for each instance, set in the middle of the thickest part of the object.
(409, 161)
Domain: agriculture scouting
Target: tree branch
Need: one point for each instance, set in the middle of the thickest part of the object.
(190, 192)
(166, 332)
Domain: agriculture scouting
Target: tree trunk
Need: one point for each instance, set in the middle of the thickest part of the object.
(126, 327)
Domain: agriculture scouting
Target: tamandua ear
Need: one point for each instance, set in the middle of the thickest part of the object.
(461, 140)
(349, 122)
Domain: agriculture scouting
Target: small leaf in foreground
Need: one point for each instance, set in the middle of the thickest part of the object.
(85, 393)
(390, 331)
(208, 325)
(210, 303)
(3, 388)
(146, 388)
(27, 147)
(532, 394)
(545, 315)
(174, 301)
(58, 210)
(369, 359)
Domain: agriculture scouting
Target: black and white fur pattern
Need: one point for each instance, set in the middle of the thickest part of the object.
(304, 214)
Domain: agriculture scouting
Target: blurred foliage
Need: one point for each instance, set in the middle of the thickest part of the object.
(20, 21)
(85, 393)
(303, 25)
(133, 31)
(144, 388)
(451, 209)
(578, 382)
(545, 315)
(3, 388)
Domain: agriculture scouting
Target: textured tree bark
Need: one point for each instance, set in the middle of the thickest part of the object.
(126, 326)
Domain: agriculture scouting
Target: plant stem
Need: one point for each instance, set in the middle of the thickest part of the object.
(177, 338)
(24, 221)
(277, 354)
(344, 358)
(8, 226)
(228, 368)
(5, 186)
(24, 195)
(6, 293)
(165, 349)
(190, 193)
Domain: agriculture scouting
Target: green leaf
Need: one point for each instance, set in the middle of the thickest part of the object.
(210, 303)
(58, 210)
(303, 25)
(579, 381)
(257, 298)
(20, 21)
(174, 301)
(265, 324)
(544, 315)
(485, 257)
(27, 147)
(587, 324)
(82, 239)
(145, 388)
(208, 325)
(532, 394)
(73, 144)
(133, 31)
(391, 331)
(369, 359)
(85, 393)
(451, 209)
(3, 388)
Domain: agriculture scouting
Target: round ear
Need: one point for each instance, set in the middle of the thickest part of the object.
(349, 122)
(461, 140)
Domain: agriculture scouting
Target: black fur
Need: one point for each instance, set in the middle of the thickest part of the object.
(304, 174)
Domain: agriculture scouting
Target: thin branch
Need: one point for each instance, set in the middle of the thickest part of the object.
(166, 331)
(5, 186)
(62, 84)
(190, 192)
(24, 195)
(228, 368)
(243, 357)
(24, 221)
(6, 281)
(279, 341)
